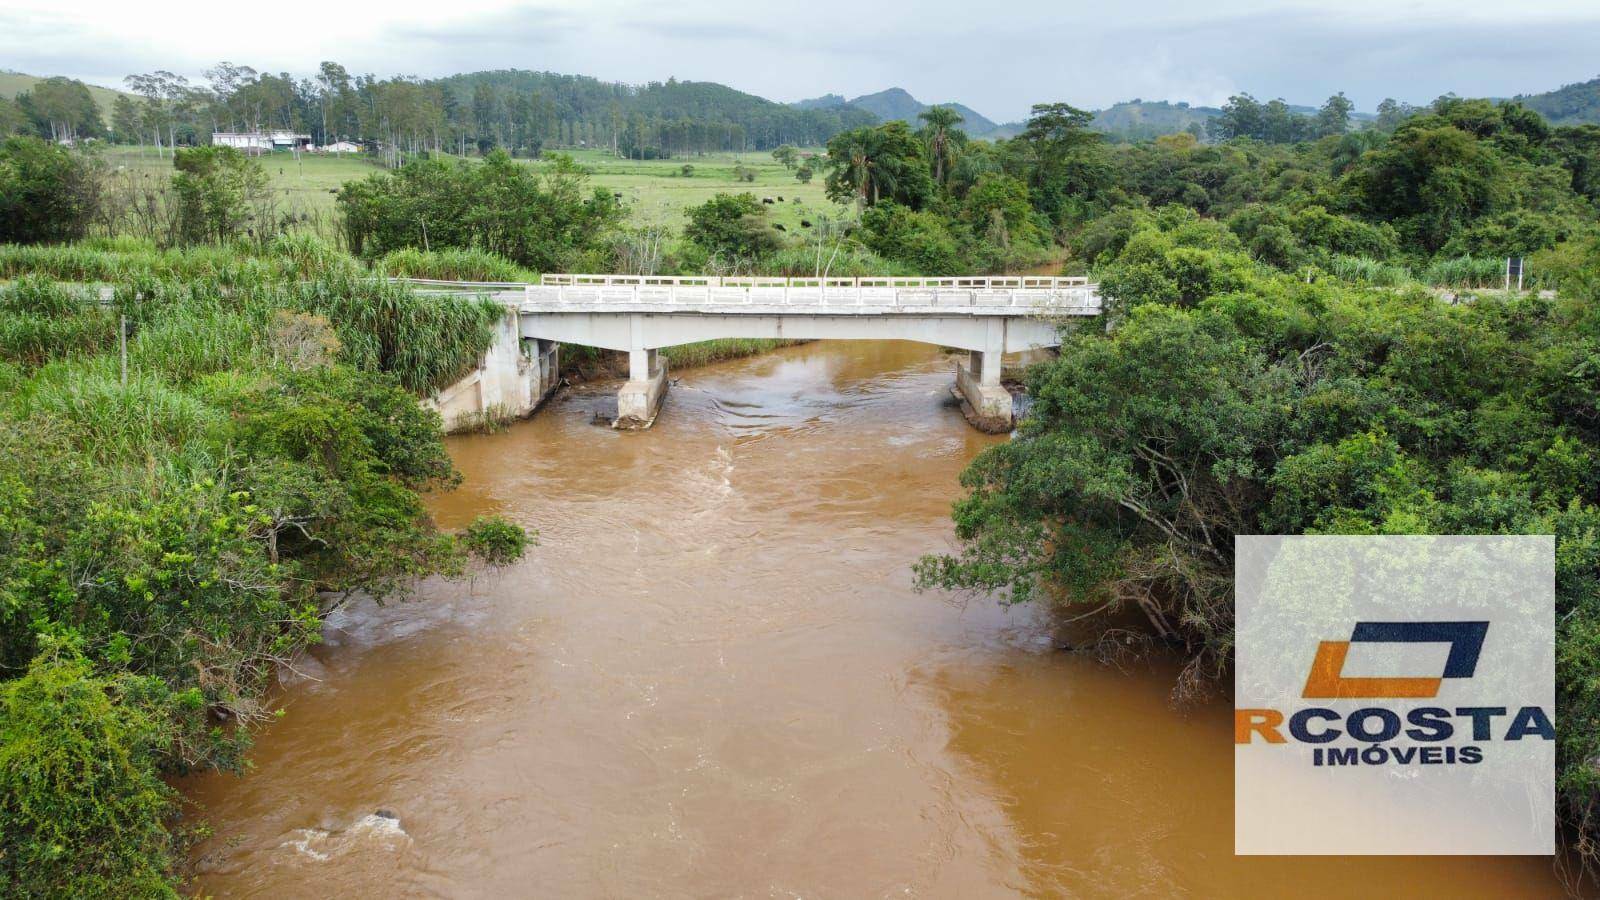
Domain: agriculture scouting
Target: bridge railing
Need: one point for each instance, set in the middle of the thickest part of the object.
(966, 282)
(1041, 294)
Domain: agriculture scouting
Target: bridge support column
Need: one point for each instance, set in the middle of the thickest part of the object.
(640, 397)
(986, 403)
(547, 356)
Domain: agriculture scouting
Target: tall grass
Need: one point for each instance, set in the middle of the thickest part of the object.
(426, 341)
(115, 259)
(452, 265)
(146, 419)
(41, 320)
(706, 352)
(1370, 271)
(1465, 272)
(187, 328)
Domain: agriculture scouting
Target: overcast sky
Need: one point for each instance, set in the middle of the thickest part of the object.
(997, 57)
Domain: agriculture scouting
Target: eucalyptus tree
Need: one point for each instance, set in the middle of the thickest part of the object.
(167, 96)
(65, 107)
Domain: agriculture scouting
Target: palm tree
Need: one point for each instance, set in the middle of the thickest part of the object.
(867, 164)
(866, 174)
(940, 121)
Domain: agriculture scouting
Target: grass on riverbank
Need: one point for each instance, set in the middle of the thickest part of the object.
(109, 261)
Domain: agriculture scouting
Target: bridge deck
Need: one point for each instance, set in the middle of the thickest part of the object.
(1008, 296)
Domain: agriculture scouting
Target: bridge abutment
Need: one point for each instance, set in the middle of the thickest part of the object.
(514, 376)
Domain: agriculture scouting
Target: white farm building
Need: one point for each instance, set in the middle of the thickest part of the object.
(261, 141)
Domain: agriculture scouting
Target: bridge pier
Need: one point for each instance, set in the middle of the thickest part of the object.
(986, 402)
(640, 396)
(987, 316)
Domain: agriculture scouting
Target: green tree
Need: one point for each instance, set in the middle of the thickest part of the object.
(47, 192)
(1000, 198)
(65, 109)
(1430, 180)
(873, 164)
(939, 129)
(787, 155)
(125, 124)
(1063, 161)
(732, 227)
(222, 195)
(12, 119)
(546, 219)
(1334, 116)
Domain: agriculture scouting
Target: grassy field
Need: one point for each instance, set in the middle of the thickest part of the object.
(304, 186)
(657, 192)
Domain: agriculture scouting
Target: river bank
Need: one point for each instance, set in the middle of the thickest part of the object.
(712, 677)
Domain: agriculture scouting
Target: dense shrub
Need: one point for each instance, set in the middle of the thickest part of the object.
(731, 228)
(495, 541)
(541, 220)
(82, 811)
(456, 264)
(166, 541)
(920, 240)
(47, 192)
(222, 195)
(1258, 403)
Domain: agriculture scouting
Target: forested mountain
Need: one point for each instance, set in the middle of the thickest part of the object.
(896, 104)
(670, 117)
(1572, 104)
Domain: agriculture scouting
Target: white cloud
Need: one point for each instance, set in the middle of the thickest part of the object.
(996, 58)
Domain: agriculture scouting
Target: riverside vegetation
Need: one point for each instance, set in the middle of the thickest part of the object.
(168, 537)
(1284, 359)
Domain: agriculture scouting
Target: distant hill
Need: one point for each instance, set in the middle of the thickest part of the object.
(826, 101)
(1131, 120)
(898, 104)
(1137, 120)
(1572, 104)
(14, 83)
(579, 100)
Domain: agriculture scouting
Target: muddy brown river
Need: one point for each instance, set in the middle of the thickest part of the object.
(712, 678)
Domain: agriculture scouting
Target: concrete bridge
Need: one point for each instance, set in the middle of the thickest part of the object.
(985, 315)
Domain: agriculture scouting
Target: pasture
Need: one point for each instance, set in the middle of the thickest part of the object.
(655, 191)
(305, 186)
